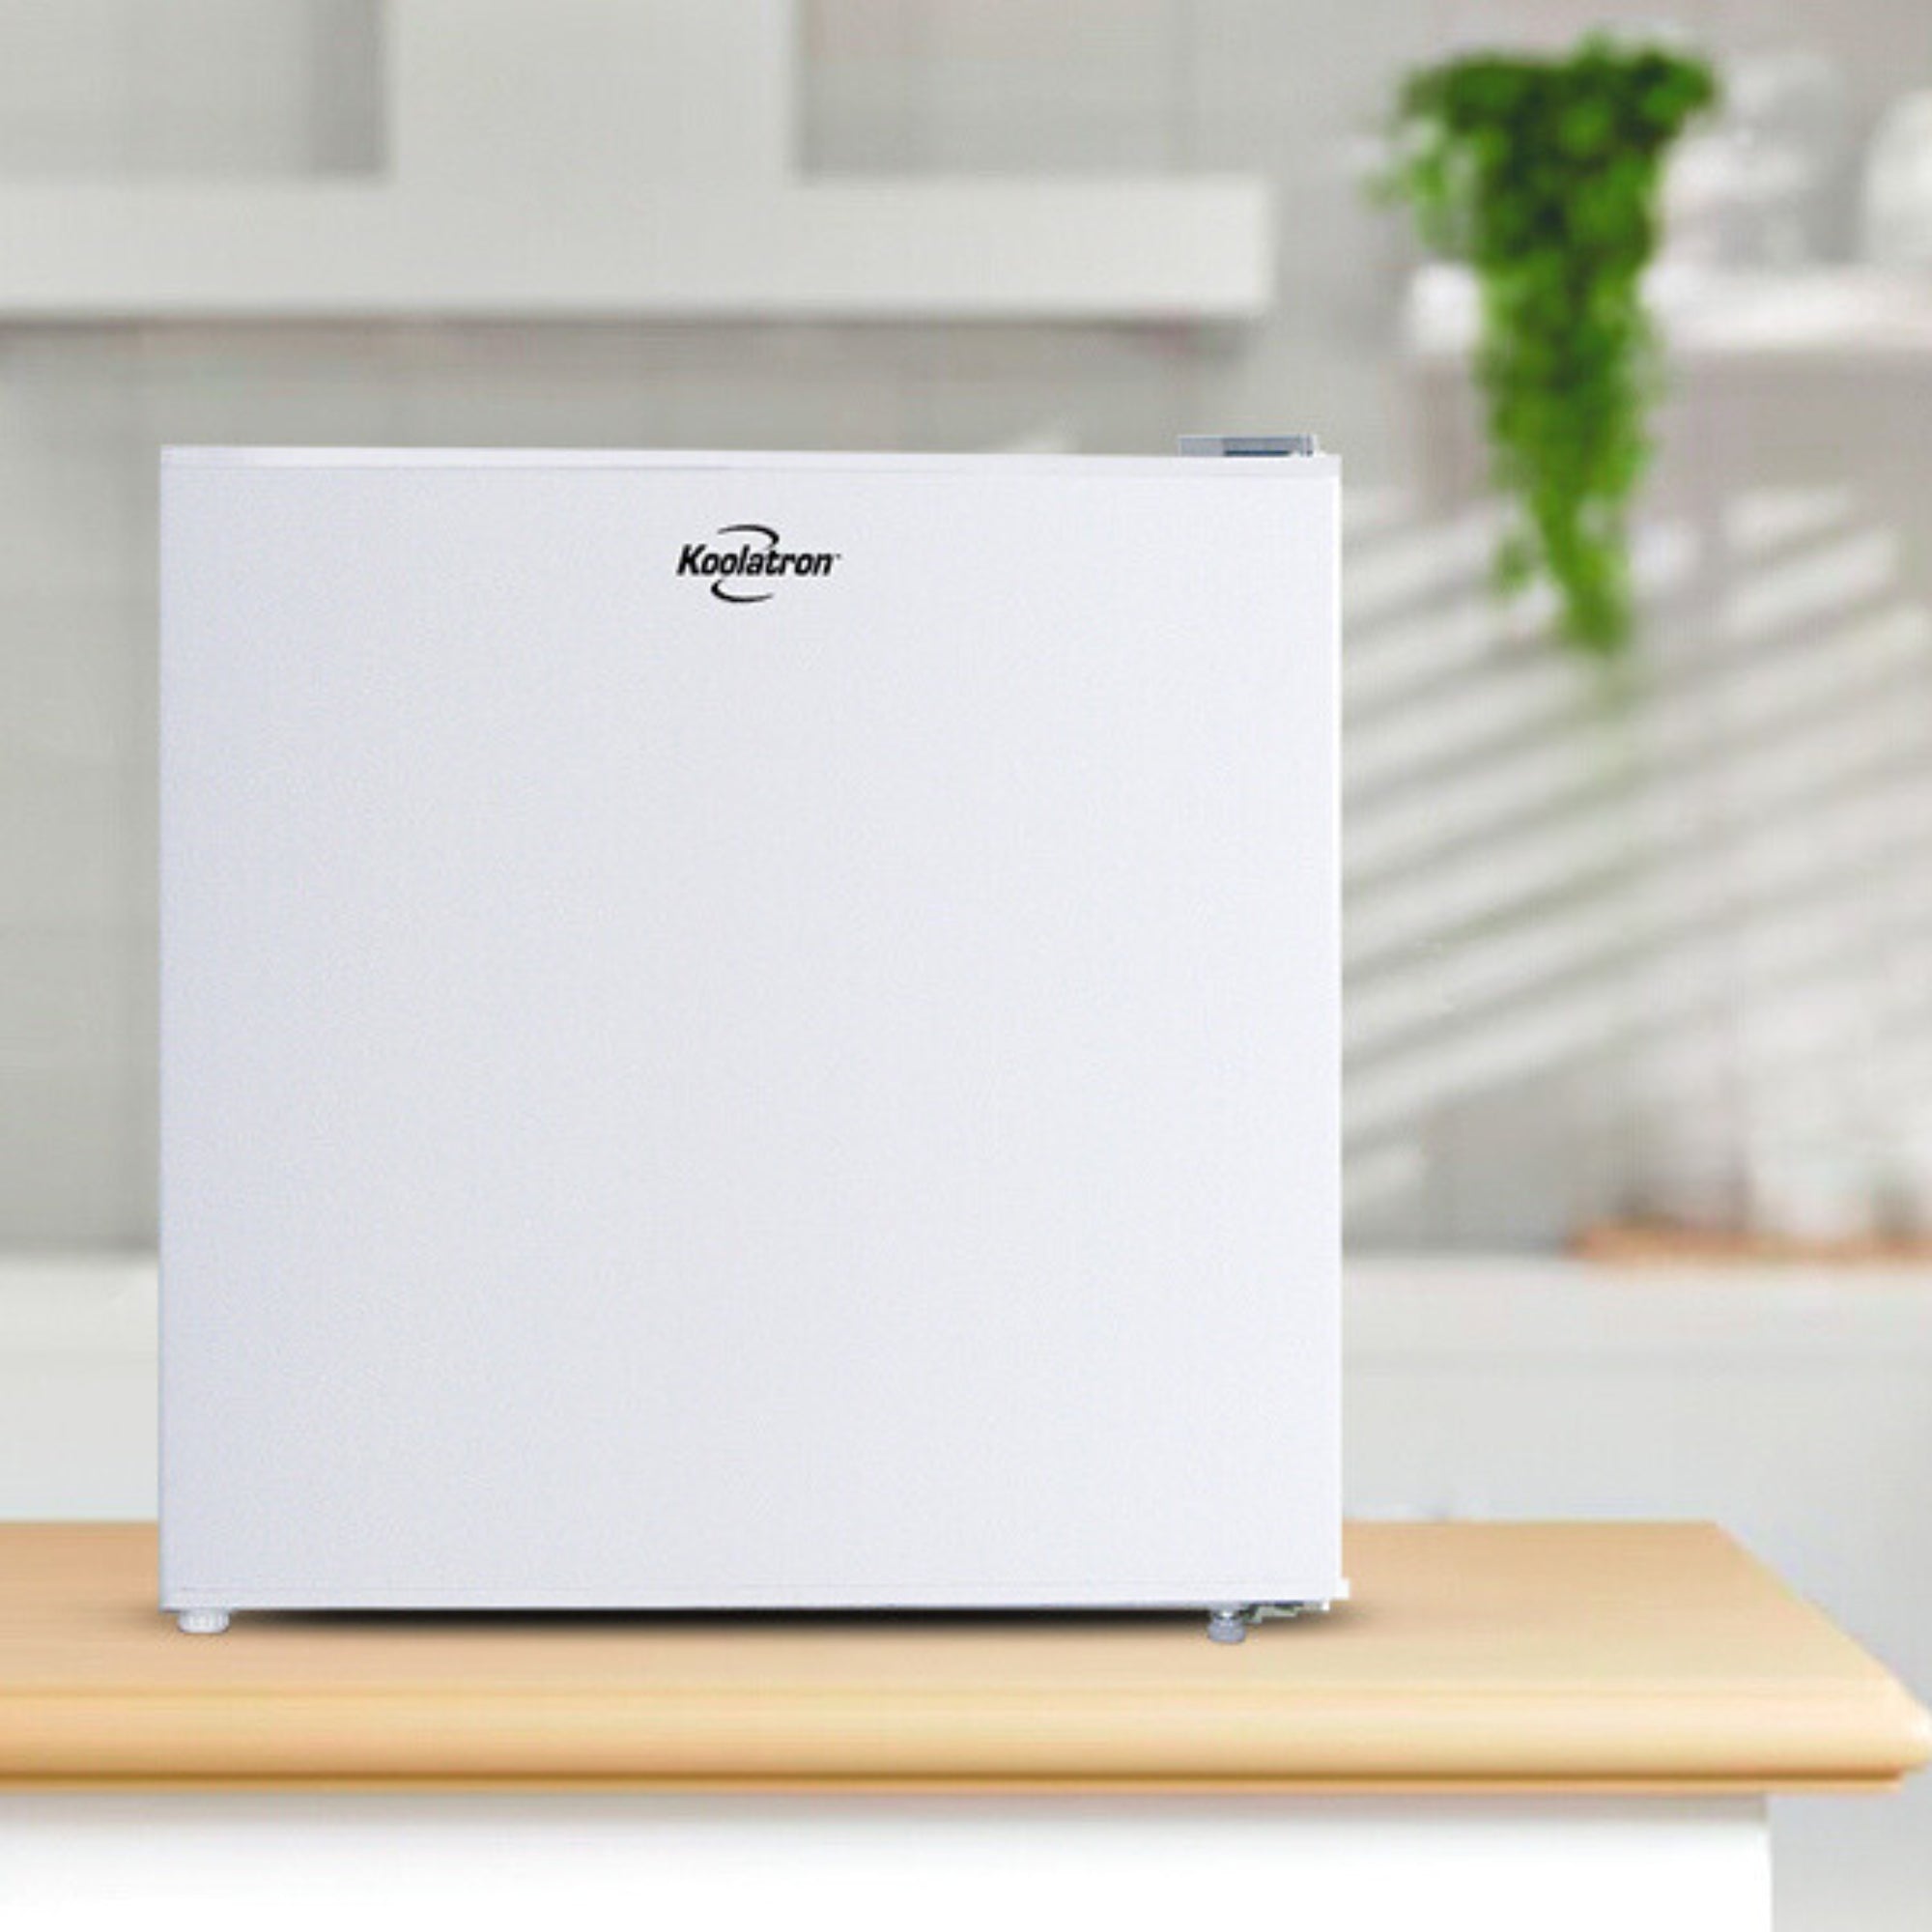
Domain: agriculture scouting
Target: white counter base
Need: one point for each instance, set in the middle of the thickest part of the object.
(1387, 1864)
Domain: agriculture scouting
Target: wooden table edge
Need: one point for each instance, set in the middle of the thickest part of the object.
(1773, 1786)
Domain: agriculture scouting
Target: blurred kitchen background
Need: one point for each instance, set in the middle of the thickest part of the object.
(1646, 977)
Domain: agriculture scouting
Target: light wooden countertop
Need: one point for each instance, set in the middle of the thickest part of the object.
(1474, 1656)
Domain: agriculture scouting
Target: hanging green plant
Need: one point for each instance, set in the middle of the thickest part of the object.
(1544, 175)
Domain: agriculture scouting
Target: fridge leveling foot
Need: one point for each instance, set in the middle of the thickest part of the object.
(1227, 1623)
(202, 1623)
(1230, 1622)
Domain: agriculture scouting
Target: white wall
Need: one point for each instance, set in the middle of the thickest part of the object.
(1493, 958)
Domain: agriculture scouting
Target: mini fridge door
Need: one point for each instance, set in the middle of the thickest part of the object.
(747, 1031)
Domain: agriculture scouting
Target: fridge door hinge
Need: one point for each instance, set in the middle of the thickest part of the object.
(1302, 442)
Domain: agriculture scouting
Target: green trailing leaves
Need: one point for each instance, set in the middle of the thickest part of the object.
(1545, 175)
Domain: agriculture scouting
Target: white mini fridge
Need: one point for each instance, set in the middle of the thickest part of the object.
(748, 1032)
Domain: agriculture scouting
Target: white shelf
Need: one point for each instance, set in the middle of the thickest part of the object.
(1852, 314)
(1135, 251)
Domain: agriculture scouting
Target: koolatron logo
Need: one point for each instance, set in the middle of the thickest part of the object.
(741, 572)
